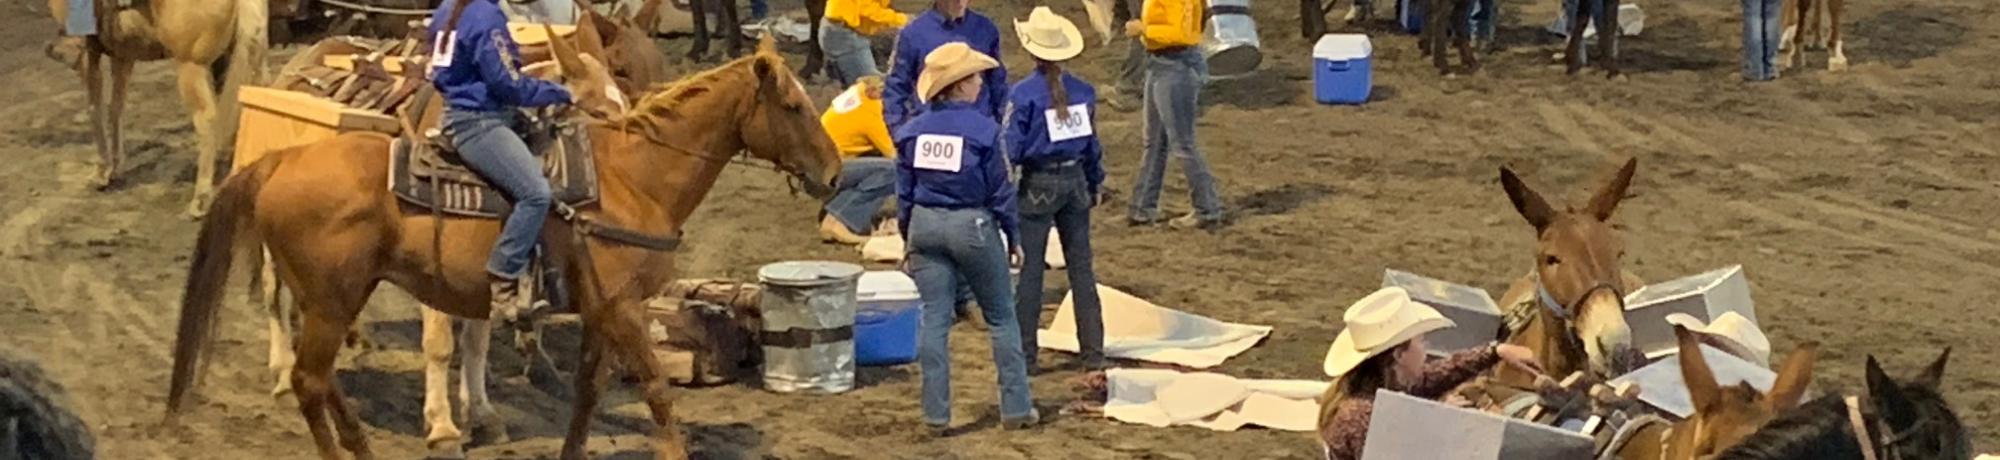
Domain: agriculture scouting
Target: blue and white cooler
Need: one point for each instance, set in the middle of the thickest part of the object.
(886, 319)
(1342, 69)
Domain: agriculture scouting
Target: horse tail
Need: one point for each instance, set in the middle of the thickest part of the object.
(215, 250)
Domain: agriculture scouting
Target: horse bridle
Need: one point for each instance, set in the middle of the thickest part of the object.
(1857, 420)
(1572, 340)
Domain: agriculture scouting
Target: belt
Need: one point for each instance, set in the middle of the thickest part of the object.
(1054, 166)
(1170, 50)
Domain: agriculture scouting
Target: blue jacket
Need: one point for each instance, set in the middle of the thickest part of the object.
(1030, 143)
(480, 69)
(969, 142)
(925, 33)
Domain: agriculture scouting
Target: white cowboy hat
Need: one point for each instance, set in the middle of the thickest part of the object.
(1739, 336)
(948, 64)
(1375, 324)
(1049, 36)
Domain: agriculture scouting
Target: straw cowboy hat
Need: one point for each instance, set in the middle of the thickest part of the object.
(1738, 335)
(948, 64)
(1049, 36)
(1375, 324)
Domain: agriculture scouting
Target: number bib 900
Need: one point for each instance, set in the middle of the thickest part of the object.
(940, 152)
(1078, 124)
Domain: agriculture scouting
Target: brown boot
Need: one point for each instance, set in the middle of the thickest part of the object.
(832, 231)
(509, 300)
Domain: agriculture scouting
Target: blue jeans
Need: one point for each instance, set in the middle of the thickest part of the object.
(946, 245)
(1561, 26)
(865, 183)
(1762, 28)
(1172, 101)
(490, 146)
(852, 55)
(1060, 198)
(1485, 16)
(759, 9)
(81, 20)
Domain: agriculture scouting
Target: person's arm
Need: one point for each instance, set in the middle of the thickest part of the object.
(880, 13)
(1440, 377)
(1093, 158)
(878, 136)
(904, 63)
(498, 60)
(906, 193)
(996, 79)
(1002, 201)
(1017, 123)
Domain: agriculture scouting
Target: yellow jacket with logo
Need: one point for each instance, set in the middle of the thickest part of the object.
(1172, 23)
(854, 120)
(868, 17)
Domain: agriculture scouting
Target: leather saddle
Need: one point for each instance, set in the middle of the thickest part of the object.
(427, 172)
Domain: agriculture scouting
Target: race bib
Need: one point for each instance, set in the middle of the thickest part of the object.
(442, 47)
(940, 153)
(848, 101)
(1078, 124)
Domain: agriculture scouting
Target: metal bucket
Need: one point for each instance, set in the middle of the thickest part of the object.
(1231, 45)
(808, 334)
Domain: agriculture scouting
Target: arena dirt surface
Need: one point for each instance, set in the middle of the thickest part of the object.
(1860, 204)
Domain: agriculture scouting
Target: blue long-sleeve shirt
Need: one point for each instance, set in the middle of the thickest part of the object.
(1033, 137)
(478, 68)
(950, 158)
(925, 33)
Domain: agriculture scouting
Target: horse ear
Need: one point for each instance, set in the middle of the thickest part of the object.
(767, 44)
(1888, 398)
(1700, 381)
(1526, 201)
(1793, 377)
(648, 16)
(1608, 197)
(1934, 373)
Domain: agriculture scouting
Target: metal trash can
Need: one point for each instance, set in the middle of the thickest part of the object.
(1231, 44)
(808, 334)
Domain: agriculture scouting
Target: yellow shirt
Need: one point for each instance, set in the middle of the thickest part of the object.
(1172, 23)
(867, 17)
(854, 120)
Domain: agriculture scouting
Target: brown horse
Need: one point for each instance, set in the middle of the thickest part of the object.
(335, 232)
(207, 40)
(1577, 288)
(1723, 416)
(1803, 20)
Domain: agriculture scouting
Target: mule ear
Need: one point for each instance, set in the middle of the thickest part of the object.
(1526, 201)
(1888, 398)
(767, 44)
(1700, 381)
(648, 17)
(1934, 373)
(588, 39)
(1608, 197)
(1793, 378)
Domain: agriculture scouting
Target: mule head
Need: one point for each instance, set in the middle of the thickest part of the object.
(1723, 416)
(1916, 421)
(782, 125)
(589, 82)
(1578, 259)
(636, 62)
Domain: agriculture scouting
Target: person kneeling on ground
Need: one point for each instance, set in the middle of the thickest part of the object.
(1383, 347)
(868, 168)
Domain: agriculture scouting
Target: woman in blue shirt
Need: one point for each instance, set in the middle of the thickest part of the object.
(954, 200)
(475, 66)
(1051, 134)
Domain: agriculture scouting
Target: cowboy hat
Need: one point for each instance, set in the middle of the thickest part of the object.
(1048, 36)
(1377, 323)
(1738, 335)
(948, 64)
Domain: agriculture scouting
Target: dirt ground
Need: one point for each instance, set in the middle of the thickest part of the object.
(1860, 204)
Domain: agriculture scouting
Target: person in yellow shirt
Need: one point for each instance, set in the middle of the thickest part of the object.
(1175, 72)
(868, 167)
(845, 31)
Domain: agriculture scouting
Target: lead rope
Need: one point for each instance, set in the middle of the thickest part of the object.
(1860, 426)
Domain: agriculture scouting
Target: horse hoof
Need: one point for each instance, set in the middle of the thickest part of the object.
(487, 434)
(197, 209)
(447, 451)
(1836, 64)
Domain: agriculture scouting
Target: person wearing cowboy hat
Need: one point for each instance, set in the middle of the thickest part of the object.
(1383, 347)
(1050, 132)
(947, 21)
(1731, 333)
(954, 199)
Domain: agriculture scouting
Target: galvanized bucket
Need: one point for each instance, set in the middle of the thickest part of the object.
(1231, 45)
(808, 334)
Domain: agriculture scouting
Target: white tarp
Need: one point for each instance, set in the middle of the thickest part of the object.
(1137, 329)
(1163, 397)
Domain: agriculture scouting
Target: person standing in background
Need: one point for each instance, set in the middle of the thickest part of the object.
(845, 32)
(1175, 72)
(1762, 27)
(947, 21)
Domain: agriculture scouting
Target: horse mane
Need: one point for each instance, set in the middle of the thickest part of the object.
(666, 100)
(1816, 429)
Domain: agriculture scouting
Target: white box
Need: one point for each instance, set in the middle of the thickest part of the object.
(1661, 385)
(1472, 308)
(1704, 296)
(1405, 427)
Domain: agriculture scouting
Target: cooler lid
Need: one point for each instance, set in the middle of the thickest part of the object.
(1343, 47)
(886, 285)
(807, 273)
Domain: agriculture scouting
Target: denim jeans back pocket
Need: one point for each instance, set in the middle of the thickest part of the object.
(1043, 195)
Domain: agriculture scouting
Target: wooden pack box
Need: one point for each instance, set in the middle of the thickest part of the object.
(1704, 296)
(1472, 308)
(1661, 386)
(274, 119)
(1406, 427)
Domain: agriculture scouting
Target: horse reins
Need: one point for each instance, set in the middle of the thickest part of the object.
(1857, 420)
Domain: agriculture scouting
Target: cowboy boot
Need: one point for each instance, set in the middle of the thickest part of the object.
(832, 231)
(508, 299)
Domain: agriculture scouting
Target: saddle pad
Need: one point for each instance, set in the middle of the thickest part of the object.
(420, 177)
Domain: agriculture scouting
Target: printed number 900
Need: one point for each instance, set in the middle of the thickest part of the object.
(938, 150)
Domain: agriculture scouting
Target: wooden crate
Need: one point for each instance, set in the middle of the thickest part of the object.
(274, 119)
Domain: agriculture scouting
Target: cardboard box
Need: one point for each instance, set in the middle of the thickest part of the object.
(1405, 427)
(1472, 308)
(1704, 296)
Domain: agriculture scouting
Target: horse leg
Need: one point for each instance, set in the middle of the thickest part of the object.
(93, 84)
(732, 27)
(1579, 18)
(1433, 40)
(700, 48)
(282, 360)
(476, 338)
(197, 87)
(816, 58)
(1607, 38)
(1792, 15)
(589, 383)
(1836, 59)
(121, 74)
(444, 439)
(624, 331)
(1462, 23)
(319, 344)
